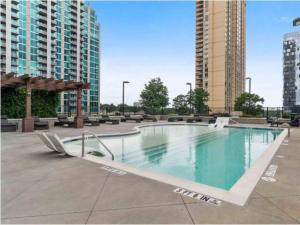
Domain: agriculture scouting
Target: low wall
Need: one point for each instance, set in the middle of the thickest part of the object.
(19, 122)
(250, 120)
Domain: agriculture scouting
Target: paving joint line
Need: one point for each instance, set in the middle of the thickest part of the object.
(98, 197)
(284, 212)
(137, 207)
(190, 215)
(50, 214)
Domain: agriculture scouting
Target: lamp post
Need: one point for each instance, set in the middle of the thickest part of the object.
(124, 82)
(190, 84)
(250, 79)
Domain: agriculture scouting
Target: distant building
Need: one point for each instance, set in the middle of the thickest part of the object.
(220, 51)
(56, 39)
(291, 69)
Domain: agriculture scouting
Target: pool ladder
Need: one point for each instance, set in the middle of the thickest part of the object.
(98, 139)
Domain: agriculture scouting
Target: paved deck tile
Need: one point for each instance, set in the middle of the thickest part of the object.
(40, 186)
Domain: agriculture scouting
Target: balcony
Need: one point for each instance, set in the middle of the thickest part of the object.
(42, 39)
(14, 30)
(41, 25)
(42, 19)
(14, 15)
(14, 39)
(15, 2)
(41, 45)
(42, 32)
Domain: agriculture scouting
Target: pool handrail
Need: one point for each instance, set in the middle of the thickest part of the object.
(98, 139)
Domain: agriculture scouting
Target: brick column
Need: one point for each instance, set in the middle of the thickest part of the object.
(79, 118)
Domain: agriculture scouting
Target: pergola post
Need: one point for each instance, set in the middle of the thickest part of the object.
(79, 118)
(27, 122)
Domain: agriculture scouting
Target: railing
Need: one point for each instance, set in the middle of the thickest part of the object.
(98, 139)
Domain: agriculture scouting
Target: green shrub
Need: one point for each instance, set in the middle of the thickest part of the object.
(44, 103)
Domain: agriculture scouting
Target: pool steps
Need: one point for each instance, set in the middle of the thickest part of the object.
(157, 152)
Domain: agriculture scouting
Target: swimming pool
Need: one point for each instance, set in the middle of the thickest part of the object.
(214, 157)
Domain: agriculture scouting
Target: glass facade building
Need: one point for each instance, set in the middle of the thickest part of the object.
(55, 39)
(291, 69)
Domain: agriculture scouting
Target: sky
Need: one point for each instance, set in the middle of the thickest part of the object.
(141, 40)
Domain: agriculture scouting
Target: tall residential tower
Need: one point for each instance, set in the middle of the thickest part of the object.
(55, 39)
(220, 51)
(291, 69)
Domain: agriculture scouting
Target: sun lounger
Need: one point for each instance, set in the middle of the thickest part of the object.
(105, 119)
(53, 142)
(130, 118)
(175, 118)
(40, 125)
(7, 126)
(87, 120)
(63, 120)
(149, 117)
(46, 141)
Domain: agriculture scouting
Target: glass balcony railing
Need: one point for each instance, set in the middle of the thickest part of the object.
(15, 30)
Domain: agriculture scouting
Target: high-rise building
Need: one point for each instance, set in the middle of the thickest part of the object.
(55, 39)
(220, 51)
(291, 69)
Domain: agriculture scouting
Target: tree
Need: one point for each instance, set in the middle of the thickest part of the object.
(249, 104)
(154, 97)
(181, 104)
(199, 100)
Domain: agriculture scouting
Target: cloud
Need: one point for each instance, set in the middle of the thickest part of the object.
(284, 19)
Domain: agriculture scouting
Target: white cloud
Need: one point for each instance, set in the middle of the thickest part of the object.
(284, 19)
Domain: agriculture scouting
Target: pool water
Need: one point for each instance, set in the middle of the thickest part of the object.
(213, 157)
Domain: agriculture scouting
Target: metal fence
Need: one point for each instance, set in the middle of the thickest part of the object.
(281, 112)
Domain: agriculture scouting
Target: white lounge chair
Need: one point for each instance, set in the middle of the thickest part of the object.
(56, 144)
(46, 141)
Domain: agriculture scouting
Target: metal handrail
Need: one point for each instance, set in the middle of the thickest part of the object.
(98, 139)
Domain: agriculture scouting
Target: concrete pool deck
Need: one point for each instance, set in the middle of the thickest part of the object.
(40, 186)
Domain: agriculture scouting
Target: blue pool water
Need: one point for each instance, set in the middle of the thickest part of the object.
(213, 157)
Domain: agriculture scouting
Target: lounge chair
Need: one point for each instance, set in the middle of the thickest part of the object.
(63, 120)
(130, 118)
(295, 122)
(106, 118)
(87, 120)
(46, 140)
(190, 120)
(193, 119)
(150, 117)
(175, 118)
(53, 142)
(7, 126)
(40, 125)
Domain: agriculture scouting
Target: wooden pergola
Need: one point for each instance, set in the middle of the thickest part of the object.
(48, 84)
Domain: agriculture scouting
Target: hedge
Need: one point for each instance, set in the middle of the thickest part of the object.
(44, 103)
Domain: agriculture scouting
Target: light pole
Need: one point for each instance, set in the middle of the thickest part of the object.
(190, 84)
(249, 78)
(124, 82)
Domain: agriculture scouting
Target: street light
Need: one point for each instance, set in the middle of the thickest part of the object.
(124, 82)
(190, 84)
(250, 79)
